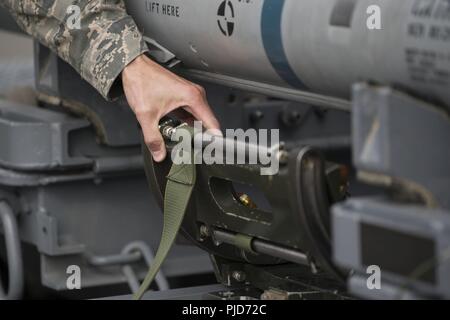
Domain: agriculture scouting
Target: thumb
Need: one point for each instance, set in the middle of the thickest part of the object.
(153, 139)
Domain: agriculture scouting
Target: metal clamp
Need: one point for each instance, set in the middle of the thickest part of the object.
(13, 254)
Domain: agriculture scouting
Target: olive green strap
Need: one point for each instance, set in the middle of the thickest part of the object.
(179, 187)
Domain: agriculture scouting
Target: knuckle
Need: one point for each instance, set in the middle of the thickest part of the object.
(153, 143)
(201, 89)
(191, 91)
(194, 92)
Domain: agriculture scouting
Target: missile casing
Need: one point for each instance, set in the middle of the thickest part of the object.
(322, 46)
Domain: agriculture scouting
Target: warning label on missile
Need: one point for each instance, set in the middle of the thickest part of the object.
(430, 22)
(164, 9)
(436, 9)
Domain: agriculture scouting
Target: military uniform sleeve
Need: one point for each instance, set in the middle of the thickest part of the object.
(104, 41)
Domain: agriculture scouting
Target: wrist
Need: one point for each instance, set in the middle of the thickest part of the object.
(134, 65)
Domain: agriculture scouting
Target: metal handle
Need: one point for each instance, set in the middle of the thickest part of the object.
(13, 254)
(131, 253)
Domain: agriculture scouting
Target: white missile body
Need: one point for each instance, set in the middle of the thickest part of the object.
(322, 46)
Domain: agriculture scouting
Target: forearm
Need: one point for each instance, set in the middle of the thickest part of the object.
(105, 43)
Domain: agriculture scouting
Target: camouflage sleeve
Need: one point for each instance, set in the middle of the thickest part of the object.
(104, 41)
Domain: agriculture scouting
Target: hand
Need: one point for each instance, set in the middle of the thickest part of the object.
(152, 92)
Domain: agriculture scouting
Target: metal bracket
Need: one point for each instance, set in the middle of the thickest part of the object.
(161, 54)
(48, 237)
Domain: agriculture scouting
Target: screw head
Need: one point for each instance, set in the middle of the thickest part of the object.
(204, 231)
(239, 276)
(247, 201)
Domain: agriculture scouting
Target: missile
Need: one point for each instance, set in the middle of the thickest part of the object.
(318, 46)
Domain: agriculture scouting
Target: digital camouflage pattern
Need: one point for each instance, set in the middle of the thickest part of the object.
(108, 38)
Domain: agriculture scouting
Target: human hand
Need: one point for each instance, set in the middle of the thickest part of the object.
(152, 92)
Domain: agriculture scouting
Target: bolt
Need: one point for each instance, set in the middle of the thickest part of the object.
(247, 201)
(291, 118)
(239, 276)
(204, 231)
(282, 157)
(167, 132)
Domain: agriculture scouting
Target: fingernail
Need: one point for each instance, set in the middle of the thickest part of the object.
(215, 132)
(158, 156)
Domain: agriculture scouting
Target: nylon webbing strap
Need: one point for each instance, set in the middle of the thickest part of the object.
(179, 187)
